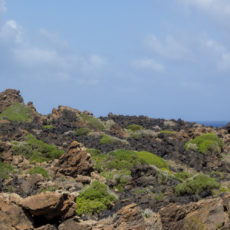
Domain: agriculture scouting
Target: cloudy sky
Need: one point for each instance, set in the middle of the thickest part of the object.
(165, 59)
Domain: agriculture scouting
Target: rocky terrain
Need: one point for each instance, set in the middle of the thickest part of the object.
(69, 170)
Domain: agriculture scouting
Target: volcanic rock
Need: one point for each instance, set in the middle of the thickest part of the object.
(9, 97)
(75, 162)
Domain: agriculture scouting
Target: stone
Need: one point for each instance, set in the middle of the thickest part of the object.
(75, 162)
(50, 205)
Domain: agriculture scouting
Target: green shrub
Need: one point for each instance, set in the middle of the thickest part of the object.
(94, 199)
(92, 122)
(82, 132)
(39, 170)
(5, 170)
(167, 132)
(135, 127)
(205, 143)
(181, 176)
(17, 112)
(159, 196)
(48, 127)
(36, 150)
(152, 159)
(196, 185)
(108, 140)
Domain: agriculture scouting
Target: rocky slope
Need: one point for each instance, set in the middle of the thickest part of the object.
(70, 170)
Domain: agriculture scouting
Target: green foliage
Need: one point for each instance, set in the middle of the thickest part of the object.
(167, 131)
(159, 196)
(152, 159)
(94, 199)
(39, 170)
(135, 127)
(107, 139)
(82, 132)
(196, 185)
(92, 122)
(205, 143)
(48, 127)
(181, 176)
(5, 170)
(17, 112)
(36, 150)
(98, 159)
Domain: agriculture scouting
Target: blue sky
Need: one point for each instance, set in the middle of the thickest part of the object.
(165, 59)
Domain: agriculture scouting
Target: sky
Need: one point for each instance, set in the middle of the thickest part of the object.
(164, 59)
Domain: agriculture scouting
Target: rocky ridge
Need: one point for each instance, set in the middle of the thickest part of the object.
(71, 170)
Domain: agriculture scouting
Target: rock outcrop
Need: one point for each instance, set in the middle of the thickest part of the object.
(9, 97)
(75, 162)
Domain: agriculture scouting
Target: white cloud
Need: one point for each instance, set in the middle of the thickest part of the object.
(148, 64)
(220, 8)
(170, 48)
(47, 58)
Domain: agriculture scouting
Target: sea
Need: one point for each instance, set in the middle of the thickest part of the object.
(215, 124)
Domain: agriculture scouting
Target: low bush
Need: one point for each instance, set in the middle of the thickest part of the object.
(48, 127)
(82, 132)
(92, 122)
(196, 185)
(36, 150)
(39, 170)
(108, 140)
(17, 112)
(167, 132)
(205, 143)
(94, 199)
(5, 170)
(135, 127)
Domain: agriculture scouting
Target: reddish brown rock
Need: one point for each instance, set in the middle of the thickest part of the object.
(50, 205)
(75, 162)
(202, 215)
(12, 217)
(71, 224)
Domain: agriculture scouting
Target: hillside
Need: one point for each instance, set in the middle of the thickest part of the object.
(71, 170)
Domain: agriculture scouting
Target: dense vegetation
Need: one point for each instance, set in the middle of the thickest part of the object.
(196, 185)
(17, 112)
(205, 143)
(36, 150)
(94, 199)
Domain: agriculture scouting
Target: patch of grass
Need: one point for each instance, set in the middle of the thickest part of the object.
(92, 122)
(152, 159)
(196, 185)
(205, 143)
(5, 170)
(167, 132)
(17, 112)
(159, 196)
(82, 132)
(181, 176)
(94, 199)
(108, 140)
(134, 127)
(36, 150)
(98, 159)
(48, 127)
(39, 170)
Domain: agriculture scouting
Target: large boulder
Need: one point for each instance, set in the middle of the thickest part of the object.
(50, 205)
(12, 217)
(75, 162)
(9, 97)
(202, 215)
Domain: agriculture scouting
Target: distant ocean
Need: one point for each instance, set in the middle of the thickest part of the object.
(213, 123)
